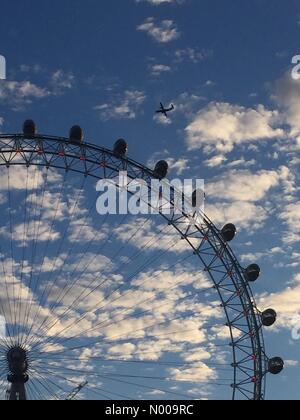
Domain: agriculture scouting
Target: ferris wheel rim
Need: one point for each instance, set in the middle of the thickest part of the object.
(259, 370)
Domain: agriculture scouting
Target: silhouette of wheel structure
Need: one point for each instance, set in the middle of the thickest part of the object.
(119, 306)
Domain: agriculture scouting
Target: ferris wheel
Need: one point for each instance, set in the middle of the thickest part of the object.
(117, 306)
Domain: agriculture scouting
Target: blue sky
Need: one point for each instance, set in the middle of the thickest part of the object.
(227, 68)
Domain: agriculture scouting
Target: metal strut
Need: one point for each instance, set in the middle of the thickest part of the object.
(76, 391)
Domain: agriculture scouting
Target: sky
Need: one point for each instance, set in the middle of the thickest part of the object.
(227, 68)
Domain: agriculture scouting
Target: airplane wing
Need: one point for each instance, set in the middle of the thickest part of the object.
(171, 109)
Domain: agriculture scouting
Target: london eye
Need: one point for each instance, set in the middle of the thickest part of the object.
(118, 306)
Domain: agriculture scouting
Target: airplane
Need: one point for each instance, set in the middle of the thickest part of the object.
(164, 110)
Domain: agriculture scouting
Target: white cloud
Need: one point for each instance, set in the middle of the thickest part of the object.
(215, 161)
(179, 166)
(243, 185)
(125, 106)
(162, 120)
(286, 303)
(20, 93)
(192, 54)
(244, 198)
(159, 2)
(221, 126)
(158, 69)
(287, 96)
(291, 216)
(199, 372)
(61, 81)
(241, 213)
(162, 32)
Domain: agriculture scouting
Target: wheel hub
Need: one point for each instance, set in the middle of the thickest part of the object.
(17, 365)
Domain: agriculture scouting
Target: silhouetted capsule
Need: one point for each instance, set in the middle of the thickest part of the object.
(252, 273)
(29, 128)
(121, 148)
(268, 317)
(276, 365)
(161, 169)
(228, 232)
(76, 134)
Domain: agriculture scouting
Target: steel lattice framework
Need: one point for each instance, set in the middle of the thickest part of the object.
(250, 363)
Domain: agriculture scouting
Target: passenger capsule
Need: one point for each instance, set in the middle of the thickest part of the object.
(29, 128)
(228, 232)
(268, 317)
(276, 365)
(76, 134)
(161, 169)
(252, 273)
(121, 148)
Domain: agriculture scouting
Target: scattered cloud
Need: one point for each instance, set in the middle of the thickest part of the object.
(159, 2)
(221, 126)
(125, 106)
(18, 94)
(287, 96)
(162, 32)
(243, 185)
(192, 54)
(61, 81)
(243, 214)
(291, 216)
(177, 165)
(158, 69)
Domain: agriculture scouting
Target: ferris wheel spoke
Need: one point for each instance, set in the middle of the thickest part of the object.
(43, 375)
(126, 335)
(72, 248)
(218, 367)
(98, 287)
(44, 256)
(145, 356)
(91, 387)
(148, 387)
(64, 341)
(32, 395)
(29, 229)
(50, 285)
(25, 232)
(101, 392)
(110, 302)
(11, 252)
(131, 316)
(109, 375)
(45, 384)
(6, 314)
(31, 292)
(36, 391)
(42, 326)
(61, 245)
